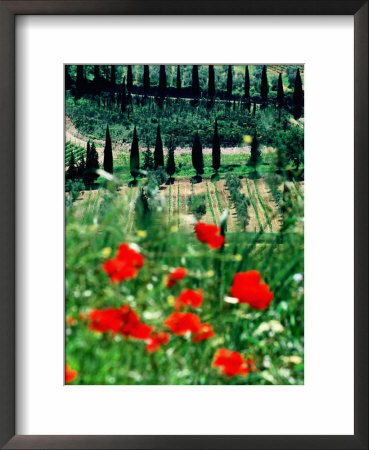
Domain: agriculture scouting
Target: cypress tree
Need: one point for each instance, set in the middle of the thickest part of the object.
(112, 76)
(146, 79)
(81, 168)
(134, 159)
(264, 88)
(148, 159)
(298, 96)
(211, 83)
(280, 93)
(124, 96)
(229, 82)
(162, 80)
(129, 79)
(72, 169)
(67, 78)
(195, 82)
(92, 164)
(108, 153)
(216, 148)
(96, 74)
(158, 152)
(255, 152)
(254, 109)
(179, 84)
(247, 83)
(171, 165)
(80, 82)
(197, 157)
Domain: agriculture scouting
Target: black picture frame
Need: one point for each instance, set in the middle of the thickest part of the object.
(8, 12)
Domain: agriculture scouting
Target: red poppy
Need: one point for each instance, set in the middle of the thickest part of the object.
(248, 289)
(181, 323)
(70, 320)
(121, 320)
(70, 374)
(231, 363)
(210, 234)
(188, 297)
(125, 265)
(206, 332)
(175, 276)
(156, 340)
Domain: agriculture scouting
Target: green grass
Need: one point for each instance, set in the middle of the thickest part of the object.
(261, 201)
(253, 203)
(103, 359)
(210, 203)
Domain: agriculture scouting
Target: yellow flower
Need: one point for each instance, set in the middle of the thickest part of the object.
(210, 273)
(171, 300)
(142, 233)
(238, 257)
(247, 139)
(106, 252)
(174, 229)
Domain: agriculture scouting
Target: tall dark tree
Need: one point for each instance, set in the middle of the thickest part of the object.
(80, 82)
(112, 77)
(171, 165)
(264, 88)
(129, 79)
(162, 80)
(108, 152)
(195, 82)
(148, 159)
(255, 152)
(298, 96)
(72, 171)
(197, 156)
(146, 79)
(280, 92)
(247, 83)
(134, 159)
(216, 148)
(158, 152)
(211, 83)
(81, 167)
(123, 105)
(67, 77)
(96, 74)
(229, 82)
(254, 109)
(92, 164)
(179, 83)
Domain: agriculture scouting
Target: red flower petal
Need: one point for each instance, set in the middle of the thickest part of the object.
(181, 323)
(70, 374)
(209, 234)
(206, 332)
(188, 297)
(175, 276)
(248, 289)
(231, 363)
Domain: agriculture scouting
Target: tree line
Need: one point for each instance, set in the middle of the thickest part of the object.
(86, 169)
(108, 82)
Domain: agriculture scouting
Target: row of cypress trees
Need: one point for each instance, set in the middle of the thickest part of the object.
(84, 169)
(156, 160)
(196, 92)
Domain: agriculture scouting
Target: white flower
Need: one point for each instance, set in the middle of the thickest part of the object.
(150, 286)
(297, 277)
(276, 326)
(232, 300)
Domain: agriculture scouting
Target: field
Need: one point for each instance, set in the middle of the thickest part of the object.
(191, 270)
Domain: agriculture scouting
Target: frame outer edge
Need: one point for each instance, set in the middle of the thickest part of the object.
(361, 224)
(7, 224)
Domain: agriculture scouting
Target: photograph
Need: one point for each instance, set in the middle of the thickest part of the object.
(184, 224)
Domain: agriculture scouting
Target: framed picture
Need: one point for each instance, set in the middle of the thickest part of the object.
(184, 224)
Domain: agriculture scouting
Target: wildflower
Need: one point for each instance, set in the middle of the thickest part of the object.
(174, 229)
(175, 276)
(70, 374)
(210, 234)
(156, 340)
(188, 297)
(142, 233)
(171, 300)
(70, 320)
(106, 252)
(247, 139)
(210, 273)
(248, 289)
(232, 363)
(181, 323)
(232, 300)
(238, 257)
(82, 316)
(294, 359)
(206, 332)
(121, 320)
(125, 265)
